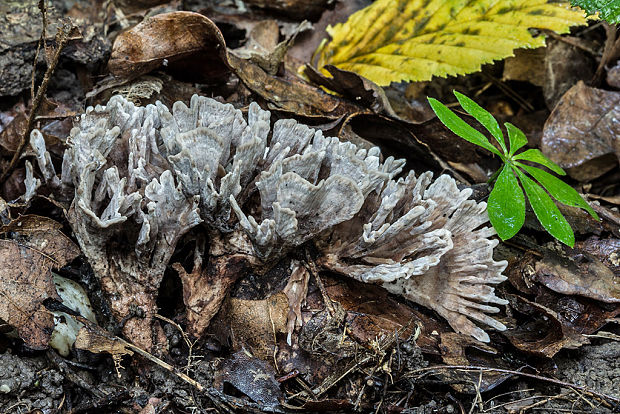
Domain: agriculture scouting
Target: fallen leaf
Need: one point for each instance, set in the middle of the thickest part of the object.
(294, 9)
(585, 315)
(253, 324)
(251, 376)
(392, 41)
(43, 234)
(527, 65)
(291, 96)
(186, 44)
(371, 313)
(353, 86)
(543, 333)
(26, 282)
(262, 46)
(577, 272)
(204, 290)
(582, 134)
(13, 125)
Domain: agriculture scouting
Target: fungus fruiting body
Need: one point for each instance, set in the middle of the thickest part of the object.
(142, 177)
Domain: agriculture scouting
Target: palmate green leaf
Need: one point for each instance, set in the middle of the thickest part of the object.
(546, 211)
(558, 189)
(538, 157)
(460, 127)
(608, 9)
(506, 204)
(516, 137)
(414, 40)
(483, 116)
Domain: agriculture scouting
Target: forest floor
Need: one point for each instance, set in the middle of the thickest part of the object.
(360, 349)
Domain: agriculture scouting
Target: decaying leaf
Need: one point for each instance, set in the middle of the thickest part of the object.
(578, 273)
(396, 40)
(252, 376)
(182, 42)
(206, 287)
(292, 96)
(26, 281)
(371, 313)
(580, 313)
(254, 324)
(582, 134)
(545, 333)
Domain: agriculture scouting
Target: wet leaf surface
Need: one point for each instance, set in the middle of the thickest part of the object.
(582, 133)
(251, 376)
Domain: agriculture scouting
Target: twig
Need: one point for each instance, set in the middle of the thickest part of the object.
(311, 266)
(62, 36)
(582, 388)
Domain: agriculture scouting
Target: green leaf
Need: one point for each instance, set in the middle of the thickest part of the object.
(558, 189)
(516, 137)
(608, 9)
(546, 211)
(483, 116)
(460, 127)
(538, 157)
(506, 205)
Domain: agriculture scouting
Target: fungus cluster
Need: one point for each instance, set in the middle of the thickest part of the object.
(142, 177)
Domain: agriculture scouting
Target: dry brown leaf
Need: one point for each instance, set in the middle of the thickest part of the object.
(25, 283)
(253, 324)
(292, 96)
(204, 290)
(372, 313)
(582, 134)
(184, 43)
(26, 280)
(45, 235)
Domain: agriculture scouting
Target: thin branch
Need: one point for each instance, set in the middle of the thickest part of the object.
(604, 397)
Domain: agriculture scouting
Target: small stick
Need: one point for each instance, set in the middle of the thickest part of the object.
(315, 272)
(606, 398)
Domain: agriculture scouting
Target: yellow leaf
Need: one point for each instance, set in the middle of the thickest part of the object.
(413, 40)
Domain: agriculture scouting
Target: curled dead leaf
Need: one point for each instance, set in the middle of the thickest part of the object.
(545, 333)
(184, 43)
